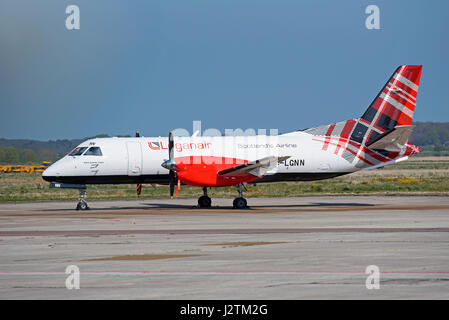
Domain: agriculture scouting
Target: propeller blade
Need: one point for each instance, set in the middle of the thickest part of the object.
(171, 165)
(171, 151)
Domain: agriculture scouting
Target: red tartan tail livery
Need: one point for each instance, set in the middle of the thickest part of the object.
(391, 110)
(393, 106)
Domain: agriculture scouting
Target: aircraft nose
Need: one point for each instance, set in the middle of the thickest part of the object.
(52, 172)
(48, 173)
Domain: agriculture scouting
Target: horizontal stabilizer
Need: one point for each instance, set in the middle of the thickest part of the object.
(256, 168)
(393, 140)
(383, 164)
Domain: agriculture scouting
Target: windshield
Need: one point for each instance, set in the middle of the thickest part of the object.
(77, 151)
(93, 151)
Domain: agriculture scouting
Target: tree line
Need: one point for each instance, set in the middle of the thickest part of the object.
(12, 155)
(434, 134)
(23, 151)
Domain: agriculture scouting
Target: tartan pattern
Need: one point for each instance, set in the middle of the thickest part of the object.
(393, 106)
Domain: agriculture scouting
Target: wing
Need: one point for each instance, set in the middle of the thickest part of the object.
(256, 168)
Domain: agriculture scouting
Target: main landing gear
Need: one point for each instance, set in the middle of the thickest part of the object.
(239, 203)
(204, 201)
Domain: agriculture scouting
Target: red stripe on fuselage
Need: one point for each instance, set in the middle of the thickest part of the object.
(345, 134)
(327, 138)
(355, 154)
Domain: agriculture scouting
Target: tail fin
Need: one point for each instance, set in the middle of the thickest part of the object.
(387, 121)
(393, 106)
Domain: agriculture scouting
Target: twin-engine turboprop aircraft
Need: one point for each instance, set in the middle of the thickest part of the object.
(378, 138)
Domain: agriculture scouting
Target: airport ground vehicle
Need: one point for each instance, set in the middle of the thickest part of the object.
(24, 168)
(39, 168)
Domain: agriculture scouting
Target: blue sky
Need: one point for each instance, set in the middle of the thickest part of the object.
(159, 65)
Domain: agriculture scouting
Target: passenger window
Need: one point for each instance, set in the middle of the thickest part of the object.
(77, 151)
(93, 151)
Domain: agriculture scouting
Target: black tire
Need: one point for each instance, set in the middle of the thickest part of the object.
(204, 202)
(239, 203)
(82, 206)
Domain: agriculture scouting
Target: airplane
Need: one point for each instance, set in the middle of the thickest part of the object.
(379, 137)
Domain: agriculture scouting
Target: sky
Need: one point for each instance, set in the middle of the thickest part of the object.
(158, 65)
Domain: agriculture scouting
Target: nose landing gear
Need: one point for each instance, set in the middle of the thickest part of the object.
(82, 203)
(204, 201)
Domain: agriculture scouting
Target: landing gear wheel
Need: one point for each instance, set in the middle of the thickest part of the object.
(239, 203)
(204, 202)
(82, 205)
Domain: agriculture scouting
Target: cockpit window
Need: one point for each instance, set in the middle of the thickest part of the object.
(93, 151)
(77, 151)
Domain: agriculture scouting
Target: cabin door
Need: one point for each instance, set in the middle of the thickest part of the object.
(134, 158)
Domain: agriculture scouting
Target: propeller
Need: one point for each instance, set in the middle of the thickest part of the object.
(171, 165)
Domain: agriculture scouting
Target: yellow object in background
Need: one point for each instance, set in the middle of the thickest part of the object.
(7, 168)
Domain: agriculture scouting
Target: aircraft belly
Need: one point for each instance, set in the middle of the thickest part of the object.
(110, 179)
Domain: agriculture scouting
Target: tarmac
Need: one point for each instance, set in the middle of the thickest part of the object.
(279, 248)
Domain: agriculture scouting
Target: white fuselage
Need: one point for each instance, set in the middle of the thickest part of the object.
(138, 160)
